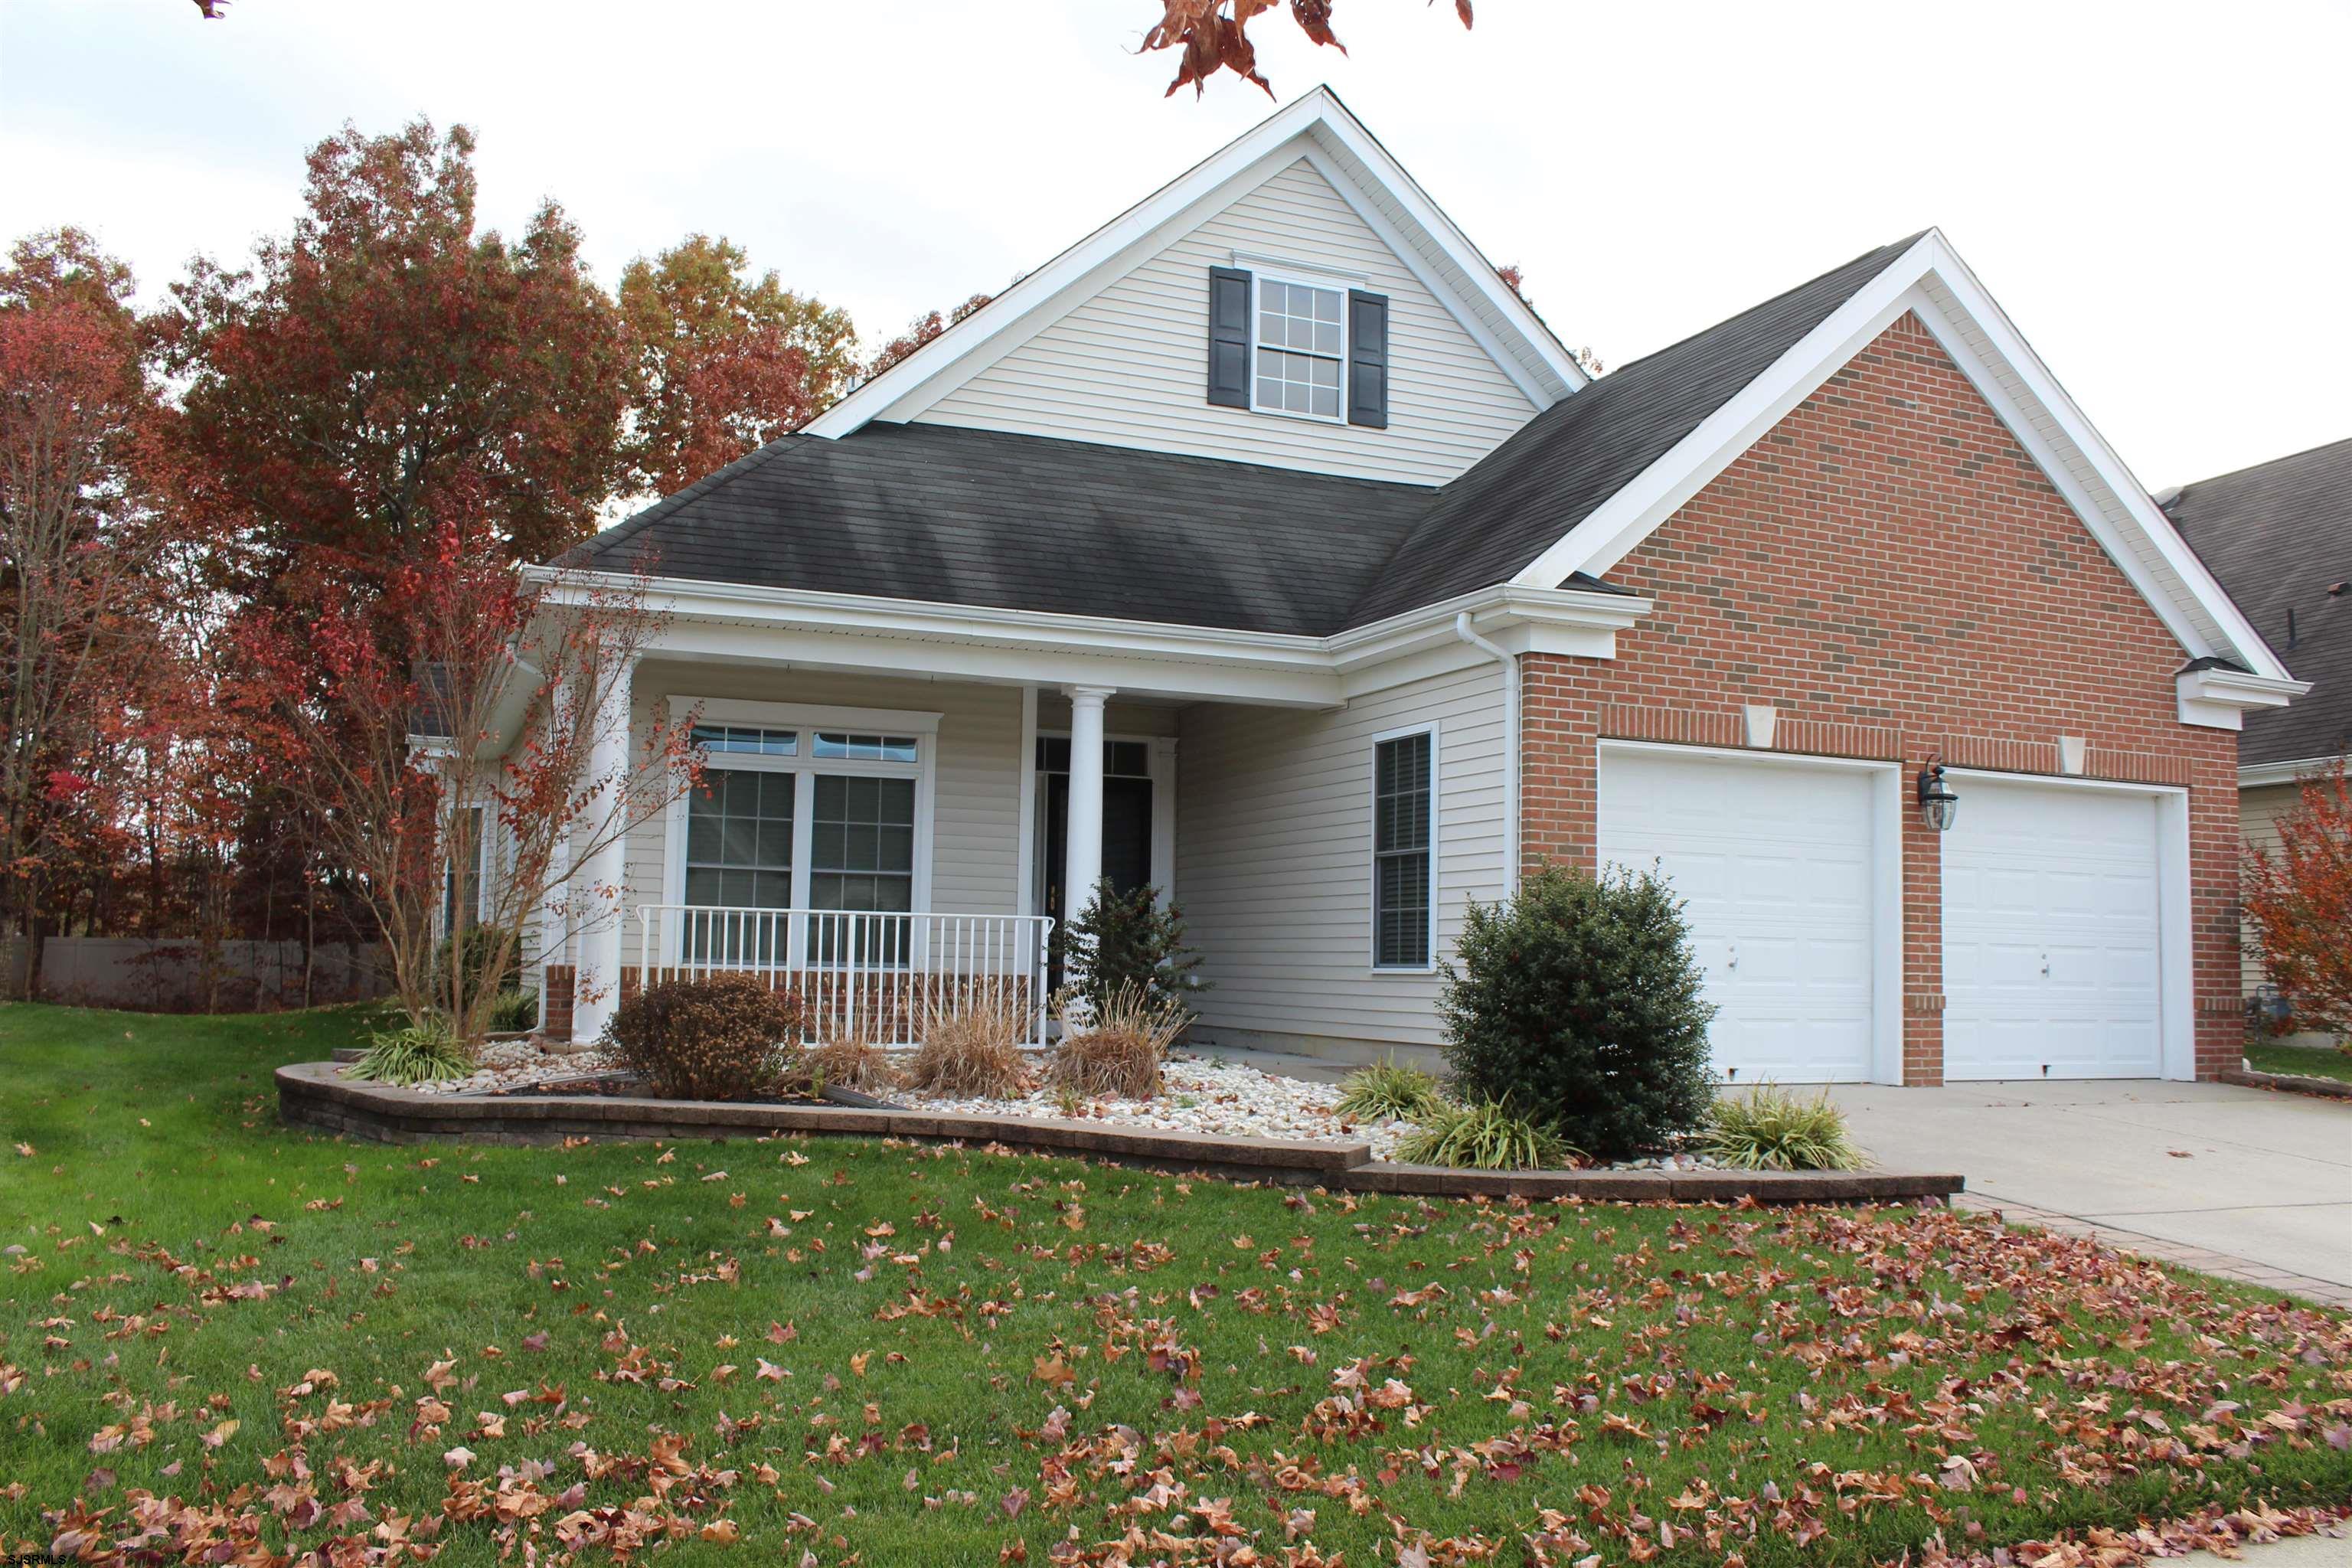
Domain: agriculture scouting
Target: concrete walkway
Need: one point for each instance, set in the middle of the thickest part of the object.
(2244, 1182)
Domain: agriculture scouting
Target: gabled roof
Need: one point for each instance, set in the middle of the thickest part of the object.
(2279, 537)
(1537, 486)
(1316, 125)
(989, 520)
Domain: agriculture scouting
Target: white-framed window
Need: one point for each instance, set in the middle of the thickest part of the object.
(805, 807)
(468, 882)
(1300, 347)
(1404, 849)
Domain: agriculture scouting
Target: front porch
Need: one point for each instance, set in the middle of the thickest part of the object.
(879, 843)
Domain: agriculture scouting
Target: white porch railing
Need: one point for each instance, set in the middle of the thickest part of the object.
(854, 972)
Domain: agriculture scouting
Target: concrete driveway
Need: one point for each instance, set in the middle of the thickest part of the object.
(2244, 1182)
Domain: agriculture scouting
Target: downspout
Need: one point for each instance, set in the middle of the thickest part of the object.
(1496, 651)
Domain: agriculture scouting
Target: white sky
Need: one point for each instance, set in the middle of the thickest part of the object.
(2158, 193)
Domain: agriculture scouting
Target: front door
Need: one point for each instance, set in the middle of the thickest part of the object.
(1127, 821)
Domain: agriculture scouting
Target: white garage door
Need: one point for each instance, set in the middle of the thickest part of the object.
(2050, 934)
(1775, 863)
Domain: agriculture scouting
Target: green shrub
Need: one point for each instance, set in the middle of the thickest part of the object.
(1388, 1090)
(1484, 1135)
(1769, 1128)
(471, 952)
(413, 1053)
(1579, 999)
(1129, 940)
(725, 1036)
(514, 1010)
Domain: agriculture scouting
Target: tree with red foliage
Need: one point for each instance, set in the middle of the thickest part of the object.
(385, 368)
(1213, 35)
(2298, 905)
(78, 546)
(920, 331)
(724, 363)
(457, 697)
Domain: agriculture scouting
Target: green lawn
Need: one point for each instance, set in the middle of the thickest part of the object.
(2301, 1060)
(849, 1351)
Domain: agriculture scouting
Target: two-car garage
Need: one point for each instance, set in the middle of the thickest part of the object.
(2053, 912)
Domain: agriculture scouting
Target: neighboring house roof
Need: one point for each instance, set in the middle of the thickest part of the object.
(2279, 537)
(981, 518)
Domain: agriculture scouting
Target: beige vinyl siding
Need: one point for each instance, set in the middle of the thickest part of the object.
(2258, 813)
(976, 803)
(1129, 366)
(1274, 857)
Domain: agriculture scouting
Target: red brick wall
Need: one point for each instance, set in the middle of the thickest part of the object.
(1892, 572)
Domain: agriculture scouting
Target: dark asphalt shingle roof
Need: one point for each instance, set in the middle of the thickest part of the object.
(1558, 467)
(2279, 535)
(987, 518)
(946, 515)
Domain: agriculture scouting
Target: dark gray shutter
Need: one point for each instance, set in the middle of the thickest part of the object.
(1229, 337)
(1368, 359)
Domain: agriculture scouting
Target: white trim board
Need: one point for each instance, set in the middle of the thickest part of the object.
(2260, 775)
(1929, 280)
(1316, 125)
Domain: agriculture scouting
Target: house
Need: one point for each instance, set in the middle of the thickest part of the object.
(2279, 538)
(1265, 547)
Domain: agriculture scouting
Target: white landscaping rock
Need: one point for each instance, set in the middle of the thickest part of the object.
(518, 1064)
(1202, 1095)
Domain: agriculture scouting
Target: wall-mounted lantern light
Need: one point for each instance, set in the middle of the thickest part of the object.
(1938, 806)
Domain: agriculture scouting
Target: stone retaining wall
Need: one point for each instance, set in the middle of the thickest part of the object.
(316, 1094)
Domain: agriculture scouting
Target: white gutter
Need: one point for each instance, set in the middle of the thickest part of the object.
(1494, 650)
(2255, 775)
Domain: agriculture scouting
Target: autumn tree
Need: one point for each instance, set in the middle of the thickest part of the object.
(724, 361)
(385, 367)
(78, 545)
(1211, 36)
(457, 700)
(2297, 901)
(920, 331)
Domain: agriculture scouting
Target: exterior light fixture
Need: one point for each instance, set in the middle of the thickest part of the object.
(1938, 806)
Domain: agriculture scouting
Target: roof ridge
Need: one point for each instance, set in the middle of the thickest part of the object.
(1536, 430)
(2188, 485)
(1897, 246)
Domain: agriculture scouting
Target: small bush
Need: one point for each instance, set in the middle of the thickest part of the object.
(414, 1052)
(514, 1010)
(1579, 999)
(1769, 1128)
(971, 1047)
(1484, 1135)
(724, 1036)
(849, 1056)
(471, 953)
(1118, 1049)
(1388, 1090)
(1129, 939)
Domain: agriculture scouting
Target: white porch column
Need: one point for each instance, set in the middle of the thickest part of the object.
(596, 894)
(1082, 846)
(554, 901)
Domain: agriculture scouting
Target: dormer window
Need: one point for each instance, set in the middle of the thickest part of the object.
(1292, 344)
(1301, 344)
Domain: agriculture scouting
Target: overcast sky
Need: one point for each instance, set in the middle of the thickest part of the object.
(2157, 192)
